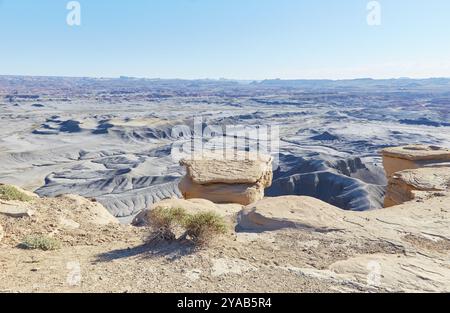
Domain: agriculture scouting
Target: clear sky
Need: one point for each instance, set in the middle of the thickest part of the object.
(239, 39)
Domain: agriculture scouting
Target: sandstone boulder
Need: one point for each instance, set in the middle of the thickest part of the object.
(15, 209)
(240, 169)
(240, 179)
(289, 212)
(397, 159)
(407, 185)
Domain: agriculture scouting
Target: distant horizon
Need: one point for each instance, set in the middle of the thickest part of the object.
(225, 79)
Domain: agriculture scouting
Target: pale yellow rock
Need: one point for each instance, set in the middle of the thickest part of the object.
(2, 233)
(395, 272)
(15, 209)
(418, 152)
(240, 179)
(289, 212)
(397, 159)
(240, 169)
(407, 185)
(222, 193)
(418, 232)
(68, 223)
(432, 216)
(90, 211)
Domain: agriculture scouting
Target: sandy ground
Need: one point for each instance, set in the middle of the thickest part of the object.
(243, 263)
(404, 248)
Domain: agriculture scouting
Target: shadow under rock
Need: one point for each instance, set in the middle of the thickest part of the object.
(155, 248)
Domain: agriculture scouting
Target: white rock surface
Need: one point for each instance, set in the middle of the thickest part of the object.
(418, 231)
(15, 209)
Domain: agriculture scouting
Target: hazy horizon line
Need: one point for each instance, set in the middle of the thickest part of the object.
(226, 79)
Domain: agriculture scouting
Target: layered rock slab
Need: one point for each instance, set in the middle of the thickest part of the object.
(414, 171)
(396, 159)
(288, 212)
(240, 178)
(416, 184)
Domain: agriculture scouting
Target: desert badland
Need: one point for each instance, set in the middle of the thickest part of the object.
(354, 196)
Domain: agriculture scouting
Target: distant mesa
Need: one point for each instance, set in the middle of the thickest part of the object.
(325, 136)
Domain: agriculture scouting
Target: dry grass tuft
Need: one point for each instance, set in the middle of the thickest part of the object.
(9, 193)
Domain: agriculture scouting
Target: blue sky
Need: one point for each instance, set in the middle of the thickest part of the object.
(240, 39)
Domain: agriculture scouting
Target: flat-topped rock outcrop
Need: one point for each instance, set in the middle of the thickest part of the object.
(237, 169)
(240, 178)
(414, 171)
(397, 159)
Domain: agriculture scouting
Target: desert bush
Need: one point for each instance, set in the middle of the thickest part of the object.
(200, 227)
(164, 221)
(204, 226)
(9, 193)
(41, 242)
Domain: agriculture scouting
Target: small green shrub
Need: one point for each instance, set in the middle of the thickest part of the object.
(41, 242)
(202, 227)
(9, 193)
(163, 222)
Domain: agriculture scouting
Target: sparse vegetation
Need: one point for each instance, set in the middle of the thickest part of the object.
(164, 221)
(203, 226)
(41, 242)
(200, 227)
(9, 193)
